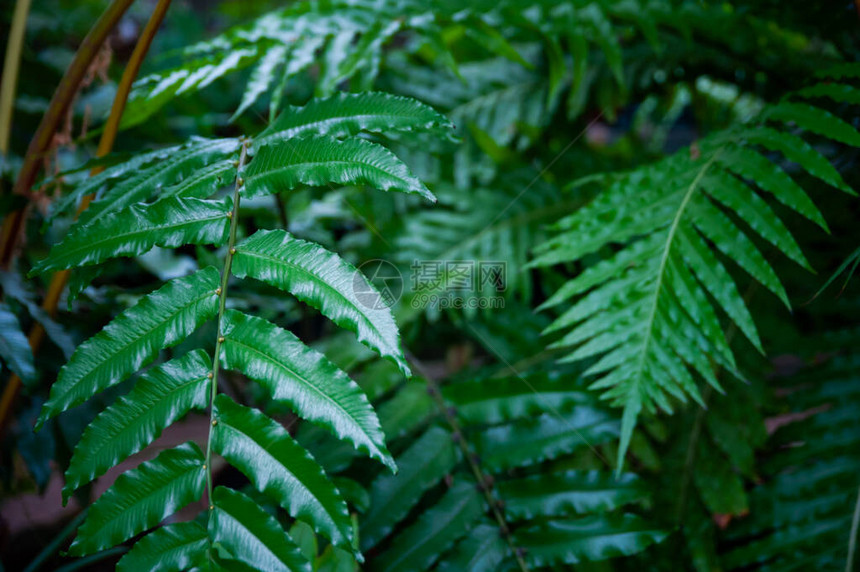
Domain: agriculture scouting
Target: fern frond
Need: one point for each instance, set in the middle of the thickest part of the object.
(172, 547)
(323, 280)
(159, 320)
(577, 492)
(482, 551)
(250, 534)
(649, 312)
(280, 468)
(545, 437)
(160, 397)
(322, 161)
(345, 114)
(142, 184)
(590, 538)
(299, 376)
(512, 398)
(161, 200)
(523, 498)
(143, 497)
(499, 224)
(169, 222)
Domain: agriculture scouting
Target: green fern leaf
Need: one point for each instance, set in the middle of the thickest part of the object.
(169, 548)
(143, 497)
(279, 467)
(109, 177)
(546, 437)
(421, 544)
(159, 320)
(814, 120)
(590, 538)
(303, 378)
(160, 397)
(644, 311)
(325, 161)
(323, 280)
(769, 177)
(181, 162)
(251, 534)
(169, 222)
(422, 465)
(484, 550)
(14, 347)
(347, 114)
(203, 182)
(735, 195)
(577, 492)
(513, 398)
(839, 93)
(262, 77)
(151, 93)
(800, 152)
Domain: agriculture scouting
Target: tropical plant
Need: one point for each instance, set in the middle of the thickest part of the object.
(314, 145)
(655, 178)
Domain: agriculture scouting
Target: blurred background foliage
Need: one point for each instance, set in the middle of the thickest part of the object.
(553, 103)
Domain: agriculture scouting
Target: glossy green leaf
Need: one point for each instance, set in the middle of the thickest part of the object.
(421, 544)
(422, 465)
(325, 281)
(170, 222)
(161, 396)
(546, 437)
(815, 120)
(167, 549)
(483, 550)
(325, 161)
(159, 320)
(14, 347)
(279, 467)
(346, 114)
(571, 492)
(171, 168)
(303, 378)
(512, 398)
(141, 498)
(590, 538)
(251, 534)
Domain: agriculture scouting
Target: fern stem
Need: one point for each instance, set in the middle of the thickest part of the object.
(222, 304)
(483, 480)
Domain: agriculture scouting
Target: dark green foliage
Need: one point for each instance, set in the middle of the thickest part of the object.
(657, 178)
(124, 224)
